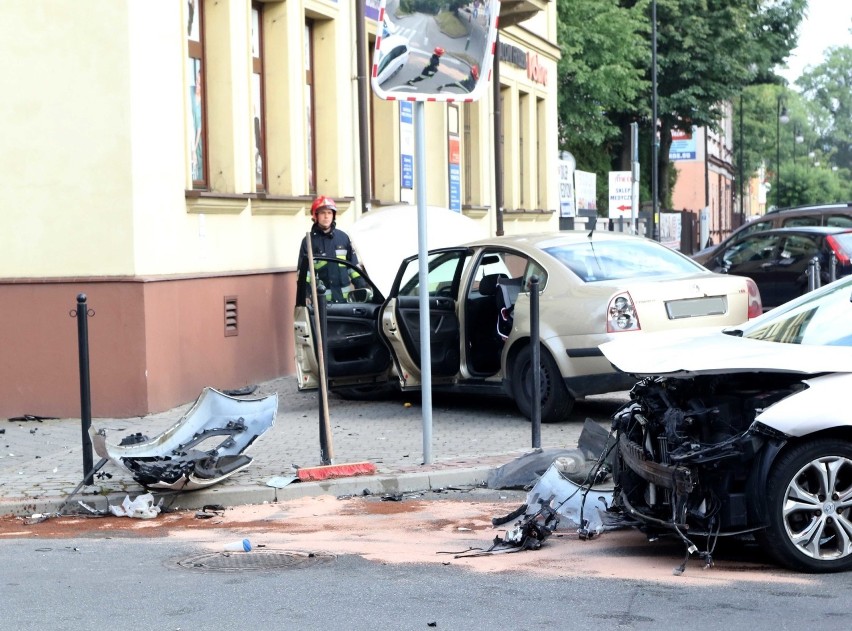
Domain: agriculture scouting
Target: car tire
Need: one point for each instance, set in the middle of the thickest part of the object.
(809, 507)
(556, 401)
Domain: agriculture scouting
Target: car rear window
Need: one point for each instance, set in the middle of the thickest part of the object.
(613, 260)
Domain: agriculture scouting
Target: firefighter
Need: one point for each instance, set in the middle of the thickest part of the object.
(329, 241)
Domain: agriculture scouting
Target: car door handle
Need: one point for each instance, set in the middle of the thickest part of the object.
(767, 265)
(359, 312)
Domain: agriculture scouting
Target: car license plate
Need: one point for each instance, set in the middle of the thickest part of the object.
(696, 307)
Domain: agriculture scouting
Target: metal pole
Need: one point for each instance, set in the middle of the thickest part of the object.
(535, 339)
(740, 175)
(498, 135)
(85, 387)
(634, 171)
(654, 137)
(361, 63)
(778, 154)
(423, 278)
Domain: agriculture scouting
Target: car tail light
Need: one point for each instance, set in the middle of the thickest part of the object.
(755, 304)
(839, 252)
(621, 314)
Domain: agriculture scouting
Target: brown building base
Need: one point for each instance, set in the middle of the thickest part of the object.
(154, 343)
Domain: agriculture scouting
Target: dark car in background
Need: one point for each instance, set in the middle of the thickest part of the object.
(837, 215)
(778, 260)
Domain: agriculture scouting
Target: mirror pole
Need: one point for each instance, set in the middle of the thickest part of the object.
(498, 146)
(363, 88)
(422, 258)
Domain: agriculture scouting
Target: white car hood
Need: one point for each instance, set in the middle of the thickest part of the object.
(385, 236)
(685, 353)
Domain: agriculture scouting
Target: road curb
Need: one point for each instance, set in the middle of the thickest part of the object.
(241, 495)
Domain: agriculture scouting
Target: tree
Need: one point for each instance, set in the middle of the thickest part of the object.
(708, 51)
(828, 87)
(599, 74)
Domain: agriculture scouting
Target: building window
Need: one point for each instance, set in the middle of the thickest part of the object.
(258, 103)
(196, 127)
(310, 136)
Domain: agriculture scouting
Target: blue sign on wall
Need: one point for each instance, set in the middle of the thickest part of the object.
(455, 187)
(406, 144)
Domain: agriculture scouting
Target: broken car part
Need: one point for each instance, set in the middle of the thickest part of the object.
(203, 448)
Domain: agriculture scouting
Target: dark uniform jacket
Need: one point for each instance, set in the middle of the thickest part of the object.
(336, 278)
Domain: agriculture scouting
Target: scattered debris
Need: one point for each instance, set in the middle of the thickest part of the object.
(210, 510)
(528, 534)
(240, 392)
(32, 417)
(142, 507)
(243, 545)
(280, 481)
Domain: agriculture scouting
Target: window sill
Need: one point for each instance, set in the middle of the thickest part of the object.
(263, 204)
(202, 202)
(475, 212)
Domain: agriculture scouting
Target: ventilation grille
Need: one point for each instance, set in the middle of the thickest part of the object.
(231, 324)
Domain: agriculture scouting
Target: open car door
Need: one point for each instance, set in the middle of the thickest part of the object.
(355, 353)
(401, 316)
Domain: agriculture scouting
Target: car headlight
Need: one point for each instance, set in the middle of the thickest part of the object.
(621, 314)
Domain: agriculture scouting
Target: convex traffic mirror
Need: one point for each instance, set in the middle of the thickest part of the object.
(434, 49)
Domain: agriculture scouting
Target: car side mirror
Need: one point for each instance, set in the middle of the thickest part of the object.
(442, 50)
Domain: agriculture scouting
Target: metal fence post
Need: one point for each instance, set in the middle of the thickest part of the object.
(82, 315)
(535, 345)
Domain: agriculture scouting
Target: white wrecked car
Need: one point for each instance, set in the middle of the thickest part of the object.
(744, 430)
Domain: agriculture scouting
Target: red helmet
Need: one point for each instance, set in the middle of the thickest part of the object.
(475, 71)
(323, 202)
(438, 51)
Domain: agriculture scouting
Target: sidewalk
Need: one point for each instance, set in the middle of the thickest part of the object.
(41, 463)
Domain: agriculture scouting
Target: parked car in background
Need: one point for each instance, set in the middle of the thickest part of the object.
(838, 215)
(593, 288)
(778, 260)
(744, 431)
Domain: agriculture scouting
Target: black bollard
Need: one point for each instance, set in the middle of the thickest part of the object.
(85, 389)
(535, 364)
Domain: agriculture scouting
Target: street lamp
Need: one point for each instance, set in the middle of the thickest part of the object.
(781, 117)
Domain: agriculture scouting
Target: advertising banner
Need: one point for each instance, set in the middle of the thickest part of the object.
(585, 190)
(683, 145)
(567, 203)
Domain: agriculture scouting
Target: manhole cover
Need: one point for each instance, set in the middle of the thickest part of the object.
(255, 560)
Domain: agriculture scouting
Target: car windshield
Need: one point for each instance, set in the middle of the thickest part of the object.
(819, 319)
(613, 260)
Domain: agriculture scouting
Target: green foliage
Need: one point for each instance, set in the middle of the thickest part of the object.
(828, 87)
(708, 52)
(600, 76)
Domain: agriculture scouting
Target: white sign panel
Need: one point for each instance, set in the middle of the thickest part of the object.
(620, 194)
(567, 205)
(585, 190)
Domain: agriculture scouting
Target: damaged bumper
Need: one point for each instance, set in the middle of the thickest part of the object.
(203, 448)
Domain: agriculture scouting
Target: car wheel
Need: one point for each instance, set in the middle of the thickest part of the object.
(556, 402)
(809, 494)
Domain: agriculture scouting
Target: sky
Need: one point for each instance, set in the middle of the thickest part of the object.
(826, 23)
